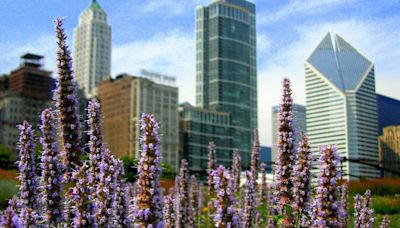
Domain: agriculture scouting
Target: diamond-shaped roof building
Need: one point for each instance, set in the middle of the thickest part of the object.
(339, 62)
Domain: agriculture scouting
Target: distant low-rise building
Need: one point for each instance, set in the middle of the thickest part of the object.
(123, 100)
(199, 127)
(389, 150)
(24, 95)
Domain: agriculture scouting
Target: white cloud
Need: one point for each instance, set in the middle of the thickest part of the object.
(376, 40)
(301, 7)
(43, 45)
(170, 53)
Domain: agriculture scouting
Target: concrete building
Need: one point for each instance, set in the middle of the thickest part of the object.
(198, 127)
(389, 150)
(226, 66)
(388, 112)
(92, 49)
(341, 104)
(123, 101)
(299, 126)
(26, 93)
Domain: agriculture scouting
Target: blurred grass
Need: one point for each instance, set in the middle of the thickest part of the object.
(381, 187)
(8, 188)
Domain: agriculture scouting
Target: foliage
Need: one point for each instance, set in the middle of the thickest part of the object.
(8, 189)
(7, 157)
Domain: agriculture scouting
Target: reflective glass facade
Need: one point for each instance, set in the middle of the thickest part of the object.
(341, 104)
(226, 77)
(198, 127)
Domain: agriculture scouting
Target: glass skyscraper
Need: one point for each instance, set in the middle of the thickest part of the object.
(341, 104)
(226, 70)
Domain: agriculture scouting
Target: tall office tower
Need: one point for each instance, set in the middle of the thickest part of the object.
(389, 150)
(226, 70)
(124, 100)
(92, 49)
(26, 92)
(388, 112)
(299, 126)
(198, 127)
(341, 104)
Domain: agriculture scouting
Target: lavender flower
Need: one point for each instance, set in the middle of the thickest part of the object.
(301, 178)
(385, 222)
(119, 212)
(285, 160)
(226, 215)
(270, 223)
(367, 214)
(27, 175)
(263, 193)
(51, 179)
(182, 197)
(168, 211)
(212, 164)
(236, 169)
(258, 219)
(343, 205)
(326, 193)
(255, 157)
(147, 208)
(79, 208)
(193, 202)
(96, 145)
(248, 212)
(67, 104)
(104, 190)
(357, 210)
(10, 217)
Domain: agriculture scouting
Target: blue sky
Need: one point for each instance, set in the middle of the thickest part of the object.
(159, 35)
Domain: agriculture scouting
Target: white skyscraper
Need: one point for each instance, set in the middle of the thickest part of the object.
(92, 49)
(341, 104)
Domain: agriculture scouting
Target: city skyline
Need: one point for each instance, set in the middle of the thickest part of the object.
(284, 40)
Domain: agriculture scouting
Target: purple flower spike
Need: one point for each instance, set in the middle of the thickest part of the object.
(105, 189)
(27, 175)
(301, 178)
(357, 210)
(119, 207)
(367, 213)
(96, 145)
(212, 164)
(147, 208)
(255, 157)
(263, 192)
(168, 211)
(193, 201)
(236, 169)
(51, 179)
(343, 205)
(79, 207)
(385, 222)
(226, 213)
(284, 164)
(326, 193)
(250, 200)
(10, 218)
(67, 104)
(182, 197)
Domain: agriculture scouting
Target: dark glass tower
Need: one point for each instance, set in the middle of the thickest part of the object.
(226, 70)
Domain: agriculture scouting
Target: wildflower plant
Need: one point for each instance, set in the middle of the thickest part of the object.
(226, 215)
(236, 169)
(193, 201)
(28, 200)
(51, 177)
(212, 164)
(147, 208)
(326, 205)
(250, 200)
(66, 104)
(182, 197)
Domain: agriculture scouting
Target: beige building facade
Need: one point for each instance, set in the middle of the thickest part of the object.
(389, 150)
(123, 101)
